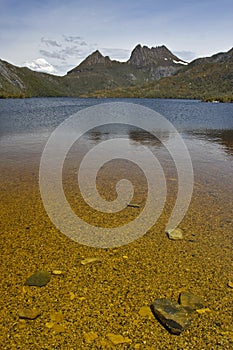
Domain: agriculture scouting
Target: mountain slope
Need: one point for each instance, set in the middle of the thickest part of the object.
(145, 64)
(23, 82)
(209, 78)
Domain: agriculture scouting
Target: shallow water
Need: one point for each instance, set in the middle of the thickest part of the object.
(109, 295)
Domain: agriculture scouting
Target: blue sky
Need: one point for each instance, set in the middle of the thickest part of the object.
(55, 35)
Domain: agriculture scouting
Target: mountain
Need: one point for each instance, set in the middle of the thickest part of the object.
(100, 72)
(23, 82)
(149, 72)
(209, 78)
(94, 73)
(94, 59)
(158, 60)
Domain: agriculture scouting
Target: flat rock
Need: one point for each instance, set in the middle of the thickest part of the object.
(57, 316)
(57, 272)
(58, 328)
(29, 314)
(174, 317)
(39, 279)
(203, 311)
(191, 301)
(118, 339)
(90, 336)
(175, 234)
(89, 261)
(145, 311)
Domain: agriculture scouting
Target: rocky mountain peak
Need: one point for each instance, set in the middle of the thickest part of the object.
(143, 56)
(92, 60)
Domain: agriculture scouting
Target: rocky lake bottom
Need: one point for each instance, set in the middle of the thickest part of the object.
(101, 298)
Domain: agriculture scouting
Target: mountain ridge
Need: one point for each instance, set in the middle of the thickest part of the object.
(149, 72)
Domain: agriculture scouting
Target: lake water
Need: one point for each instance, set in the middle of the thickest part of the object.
(149, 267)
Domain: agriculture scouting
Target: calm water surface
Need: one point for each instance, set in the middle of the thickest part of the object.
(25, 125)
(207, 128)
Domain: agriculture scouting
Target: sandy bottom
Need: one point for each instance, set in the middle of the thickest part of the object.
(87, 302)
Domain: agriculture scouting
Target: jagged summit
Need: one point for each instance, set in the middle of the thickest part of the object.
(143, 56)
(157, 61)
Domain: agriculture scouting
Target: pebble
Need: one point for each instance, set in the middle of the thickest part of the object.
(203, 311)
(175, 235)
(90, 336)
(58, 328)
(57, 316)
(230, 284)
(117, 338)
(174, 317)
(57, 272)
(72, 296)
(145, 311)
(190, 301)
(29, 314)
(39, 279)
(133, 205)
(89, 261)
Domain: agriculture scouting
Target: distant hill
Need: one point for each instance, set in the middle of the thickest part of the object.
(149, 72)
(23, 82)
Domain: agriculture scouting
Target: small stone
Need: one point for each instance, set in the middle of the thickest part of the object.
(118, 339)
(22, 324)
(57, 272)
(230, 284)
(58, 328)
(72, 296)
(203, 311)
(39, 279)
(90, 337)
(175, 234)
(29, 314)
(190, 301)
(145, 311)
(57, 316)
(49, 325)
(172, 315)
(89, 261)
(133, 205)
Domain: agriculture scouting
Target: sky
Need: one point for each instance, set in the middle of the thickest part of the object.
(54, 36)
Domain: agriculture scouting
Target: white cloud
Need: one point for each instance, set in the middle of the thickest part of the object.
(49, 42)
(41, 65)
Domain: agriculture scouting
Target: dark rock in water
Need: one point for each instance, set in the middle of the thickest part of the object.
(39, 279)
(29, 314)
(190, 301)
(174, 317)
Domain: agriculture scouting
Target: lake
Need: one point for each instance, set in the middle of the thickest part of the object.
(109, 294)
